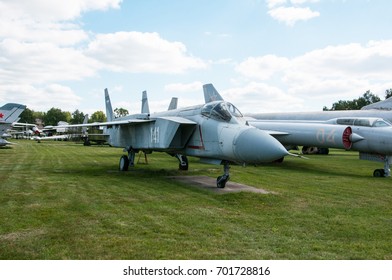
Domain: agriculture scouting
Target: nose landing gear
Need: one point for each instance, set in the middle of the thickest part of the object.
(222, 180)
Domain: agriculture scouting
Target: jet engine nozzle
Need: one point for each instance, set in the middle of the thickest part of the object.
(356, 138)
(256, 146)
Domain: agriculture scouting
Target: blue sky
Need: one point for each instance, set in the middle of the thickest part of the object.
(262, 55)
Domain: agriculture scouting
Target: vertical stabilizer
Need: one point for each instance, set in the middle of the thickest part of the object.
(145, 107)
(173, 104)
(210, 93)
(10, 112)
(108, 104)
(85, 121)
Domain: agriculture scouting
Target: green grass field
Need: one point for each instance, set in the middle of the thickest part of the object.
(61, 200)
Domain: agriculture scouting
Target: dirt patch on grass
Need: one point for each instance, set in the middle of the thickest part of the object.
(209, 183)
(21, 235)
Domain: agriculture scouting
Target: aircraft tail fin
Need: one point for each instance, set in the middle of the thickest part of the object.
(109, 109)
(173, 104)
(210, 93)
(10, 112)
(85, 121)
(145, 107)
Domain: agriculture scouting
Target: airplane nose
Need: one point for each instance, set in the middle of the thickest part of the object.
(256, 146)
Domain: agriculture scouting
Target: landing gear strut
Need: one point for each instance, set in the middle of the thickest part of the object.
(127, 161)
(386, 172)
(222, 180)
(183, 162)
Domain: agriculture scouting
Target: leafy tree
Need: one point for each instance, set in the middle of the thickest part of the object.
(54, 115)
(77, 117)
(120, 112)
(27, 116)
(97, 116)
(388, 93)
(355, 104)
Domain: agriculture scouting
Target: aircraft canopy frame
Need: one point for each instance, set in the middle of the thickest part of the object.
(221, 111)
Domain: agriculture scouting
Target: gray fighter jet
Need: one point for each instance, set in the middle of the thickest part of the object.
(370, 136)
(216, 132)
(372, 111)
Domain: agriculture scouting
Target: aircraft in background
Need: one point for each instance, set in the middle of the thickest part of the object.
(382, 110)
(370, 136)
(63, 127)
(385, 105)
(9, 113)
(216, 132)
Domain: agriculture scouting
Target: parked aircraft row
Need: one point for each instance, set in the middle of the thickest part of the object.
(218, 133)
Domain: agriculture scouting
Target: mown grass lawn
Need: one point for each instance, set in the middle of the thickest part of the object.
(61, 200)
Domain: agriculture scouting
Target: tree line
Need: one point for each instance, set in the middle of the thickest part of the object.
(54, 115)
(356, 104)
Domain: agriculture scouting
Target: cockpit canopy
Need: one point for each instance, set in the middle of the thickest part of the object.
(369, 122)
(220, 110)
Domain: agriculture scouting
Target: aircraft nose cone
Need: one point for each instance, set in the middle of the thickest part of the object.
(256, 146)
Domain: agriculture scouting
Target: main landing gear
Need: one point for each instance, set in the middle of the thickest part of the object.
(386, 172)
(183, 161)
(222, 180)
(127, 161)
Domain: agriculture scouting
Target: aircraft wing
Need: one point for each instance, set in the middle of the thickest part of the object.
(275, 132)
(120, 122)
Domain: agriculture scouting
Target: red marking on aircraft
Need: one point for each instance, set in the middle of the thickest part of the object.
(1, 115)
(201, 140)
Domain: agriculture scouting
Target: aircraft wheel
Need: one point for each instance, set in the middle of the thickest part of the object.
(221, 181)
(379, 173)
(280, 160)
(124, 163)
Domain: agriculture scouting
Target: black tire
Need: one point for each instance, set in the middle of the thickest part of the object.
(124, 163)
(379, 173)
(221, 181)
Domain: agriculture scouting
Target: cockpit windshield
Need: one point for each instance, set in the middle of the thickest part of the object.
(220, 110)
(369, 122)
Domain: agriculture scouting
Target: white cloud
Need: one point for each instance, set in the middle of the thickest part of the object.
(42, 42)
(36, 98)
(46, 20)
(38, 63)
(142, 52)
(262, 67)
(290, 15)
(291, 11)
(274, 3)
(325, 75)
(300, 2)
(261, 97)
(190, 87)
(49, 10)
